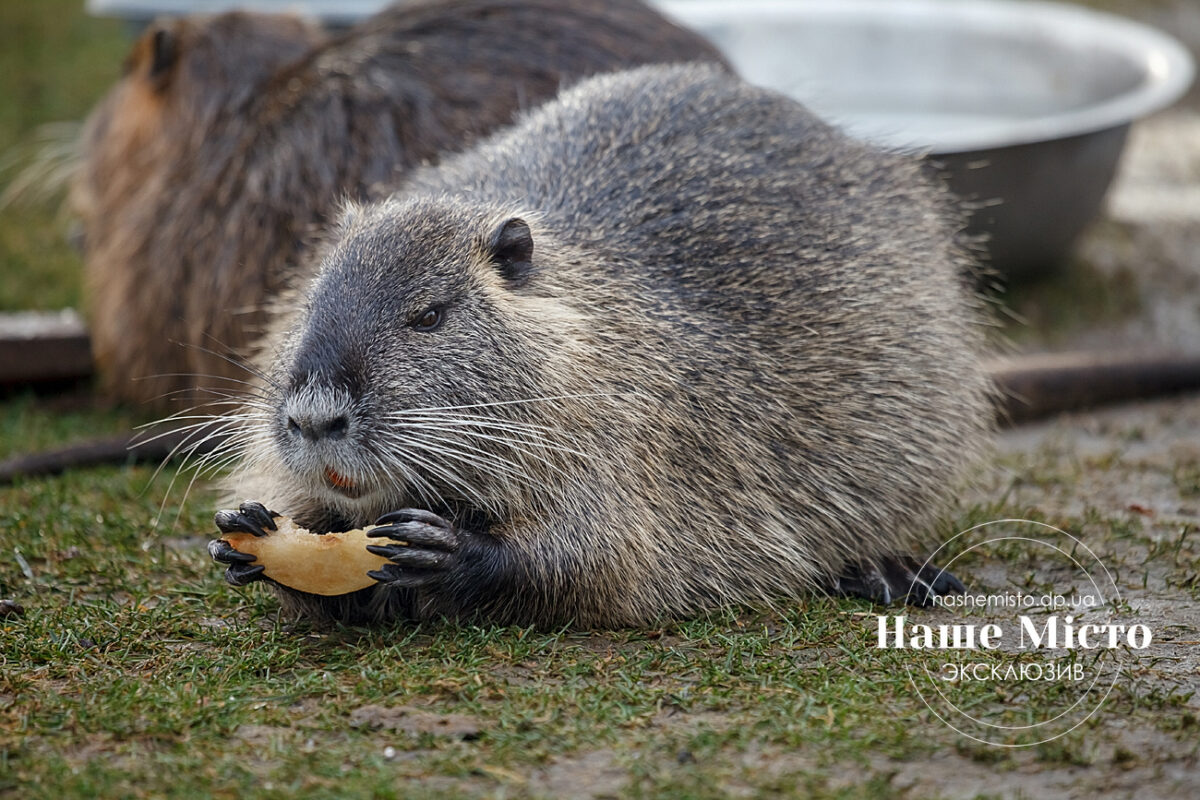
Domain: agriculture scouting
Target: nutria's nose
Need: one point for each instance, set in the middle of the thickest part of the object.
(316, 427)
(319, 405)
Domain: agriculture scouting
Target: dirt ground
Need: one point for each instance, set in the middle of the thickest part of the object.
(1135, 468)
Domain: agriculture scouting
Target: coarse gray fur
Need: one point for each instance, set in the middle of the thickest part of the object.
(741, 361)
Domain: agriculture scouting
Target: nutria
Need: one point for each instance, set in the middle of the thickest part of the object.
(671, 342)
(216, 158)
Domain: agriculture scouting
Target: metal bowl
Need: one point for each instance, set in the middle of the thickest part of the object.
(1026, 105)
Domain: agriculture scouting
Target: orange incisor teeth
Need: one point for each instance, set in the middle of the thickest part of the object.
(340, 481)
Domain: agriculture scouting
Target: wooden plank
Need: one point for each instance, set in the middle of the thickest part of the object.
(1034, 386)
(41, 346)
(122, 448)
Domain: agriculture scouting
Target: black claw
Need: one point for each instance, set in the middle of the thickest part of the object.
(943, 582)
(217, 548)
(386, 531)
(864, 582)
(897, 578)
(259, 513)
(223, 552)
(413, 515)
(419, 534)
(929, 582)
(249, 518)
(242, 574)
(385, 550)
(392, 575)
(427, 548)
(414, 557)
(384, 574)
(230, 522)
(240, 571)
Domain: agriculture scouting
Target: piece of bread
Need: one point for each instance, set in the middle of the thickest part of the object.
(326, 564)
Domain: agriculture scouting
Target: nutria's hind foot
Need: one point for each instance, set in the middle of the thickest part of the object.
(426, 548)
(897, 577)
(253, 518)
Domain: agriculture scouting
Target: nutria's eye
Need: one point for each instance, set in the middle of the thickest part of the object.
(430, 320)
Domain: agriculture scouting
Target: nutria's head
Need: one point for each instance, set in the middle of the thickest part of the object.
(421, 364)
(178, 77)
(148, 196)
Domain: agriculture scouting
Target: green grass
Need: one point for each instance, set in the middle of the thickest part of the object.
(29, 423)
(136, 672)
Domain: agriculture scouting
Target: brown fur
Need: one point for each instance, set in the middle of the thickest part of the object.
(222, 151)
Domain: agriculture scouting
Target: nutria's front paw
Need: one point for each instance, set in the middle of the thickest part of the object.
(427, 548)
(896, 578)
(251, 518)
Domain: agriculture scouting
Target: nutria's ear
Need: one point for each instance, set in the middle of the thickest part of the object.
(163, 54)
(154, 56)
(511, 249)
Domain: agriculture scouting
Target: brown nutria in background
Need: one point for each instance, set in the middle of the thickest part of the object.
(229, 140)
(669, 343)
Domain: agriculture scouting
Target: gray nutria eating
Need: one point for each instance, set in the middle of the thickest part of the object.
(670, 343)
(213, 163)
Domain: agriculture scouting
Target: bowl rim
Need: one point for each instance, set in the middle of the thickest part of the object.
(1166, 65)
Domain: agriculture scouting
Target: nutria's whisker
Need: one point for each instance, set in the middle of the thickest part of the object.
(452, 450)
(473, 419)
(222, 400)
(444, 471)
(535, 433)
(456, 483)
(190, 445)
(434, 434)
(410, 478)
(226, 431)
(252, 388)
(461, 452)
(235, 360)
(540, 436)
(512, 443)
(51, 157)
(528, 400)
(205, 423)
(183, 416)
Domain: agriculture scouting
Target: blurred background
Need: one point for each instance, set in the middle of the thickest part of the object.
(1130, 280)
